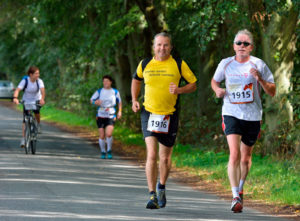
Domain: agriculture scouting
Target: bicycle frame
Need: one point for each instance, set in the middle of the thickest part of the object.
(30, 127)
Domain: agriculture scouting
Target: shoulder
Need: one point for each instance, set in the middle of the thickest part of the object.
(226, 61)
(257, 60)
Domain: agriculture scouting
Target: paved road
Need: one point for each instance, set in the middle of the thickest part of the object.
(66, 180)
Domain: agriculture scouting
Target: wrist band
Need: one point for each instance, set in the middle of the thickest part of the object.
(93, 102)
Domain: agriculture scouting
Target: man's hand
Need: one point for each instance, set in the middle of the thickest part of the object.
(135, 106)
(220, 92)
(255, 73)
(173, 88)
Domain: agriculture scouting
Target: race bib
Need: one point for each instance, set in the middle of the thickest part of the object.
(158, 123)
(240, 94)
(104, 112)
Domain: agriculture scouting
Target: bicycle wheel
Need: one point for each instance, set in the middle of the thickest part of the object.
(33, 146)
(33, 136)
(27, 137)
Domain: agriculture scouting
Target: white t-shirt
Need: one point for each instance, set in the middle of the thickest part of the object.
(31, 93)
(242, 99)
(110, 98)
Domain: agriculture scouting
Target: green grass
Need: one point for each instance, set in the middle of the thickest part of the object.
(269, 178)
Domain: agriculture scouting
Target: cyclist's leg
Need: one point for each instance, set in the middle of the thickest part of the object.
(151, 162)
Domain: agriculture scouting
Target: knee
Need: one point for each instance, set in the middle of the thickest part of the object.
(151, 157)
(234, 159)
(246, 161)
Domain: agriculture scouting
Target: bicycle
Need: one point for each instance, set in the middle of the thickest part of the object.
(31, 126)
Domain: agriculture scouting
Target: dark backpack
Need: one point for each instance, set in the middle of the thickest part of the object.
(26, 83)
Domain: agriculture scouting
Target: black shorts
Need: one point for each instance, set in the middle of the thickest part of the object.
(104, 122)
(249, 130)
(26, 112)
(166, 139)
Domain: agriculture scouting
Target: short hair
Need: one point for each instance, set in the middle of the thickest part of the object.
(163, 34)
(244, 32)
(107, 77)
(32, 70)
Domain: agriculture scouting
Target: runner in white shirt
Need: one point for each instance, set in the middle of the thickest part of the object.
(244, 77)
(106, 99)
(34, 90)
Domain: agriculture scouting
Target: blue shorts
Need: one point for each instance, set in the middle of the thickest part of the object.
(249, 130)
(165, 139)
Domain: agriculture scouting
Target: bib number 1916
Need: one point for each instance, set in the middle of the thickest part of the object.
(158, 123)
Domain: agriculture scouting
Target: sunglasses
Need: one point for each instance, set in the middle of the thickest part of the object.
(246, 44)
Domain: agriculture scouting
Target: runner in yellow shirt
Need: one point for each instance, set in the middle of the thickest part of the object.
(159, 113)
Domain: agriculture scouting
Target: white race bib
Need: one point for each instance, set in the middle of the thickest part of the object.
(158, 123)
(104, 112)
(240, 94)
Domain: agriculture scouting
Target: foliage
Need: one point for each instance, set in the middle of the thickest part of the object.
(75, 43)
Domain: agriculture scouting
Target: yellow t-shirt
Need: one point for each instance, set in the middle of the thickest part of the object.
(157, 78)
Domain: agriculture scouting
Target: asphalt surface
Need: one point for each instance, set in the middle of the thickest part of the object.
(66, 180)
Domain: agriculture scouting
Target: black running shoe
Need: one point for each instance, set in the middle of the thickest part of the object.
(161, 197)
(153, 202)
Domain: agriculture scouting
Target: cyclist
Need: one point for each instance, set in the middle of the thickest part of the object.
(244, 77)
(159, 114)
(34, 90)
(106, 99)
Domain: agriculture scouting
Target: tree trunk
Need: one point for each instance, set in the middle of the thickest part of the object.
(279, 46)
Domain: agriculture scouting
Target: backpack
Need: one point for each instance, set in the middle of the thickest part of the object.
(26, 83)
(116, 92)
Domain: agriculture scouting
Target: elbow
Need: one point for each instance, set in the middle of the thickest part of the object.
(194, 87)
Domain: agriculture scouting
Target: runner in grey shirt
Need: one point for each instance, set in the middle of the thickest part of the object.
(244, 77)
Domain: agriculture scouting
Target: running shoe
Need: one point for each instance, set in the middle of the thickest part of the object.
(236, 205)
(241, 194)
(153, 202)
(161, 197)
(22, 144)
(103, 155)
(109, 155)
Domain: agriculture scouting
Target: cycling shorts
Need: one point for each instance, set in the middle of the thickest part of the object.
(168, 139)
(104, 122)
(249, 130)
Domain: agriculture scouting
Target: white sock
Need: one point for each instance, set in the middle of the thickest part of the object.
(241, 185)
(102, 145)
(235, 191)
(109, 141)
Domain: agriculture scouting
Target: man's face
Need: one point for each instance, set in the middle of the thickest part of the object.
(162, 47)
(242, 50)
